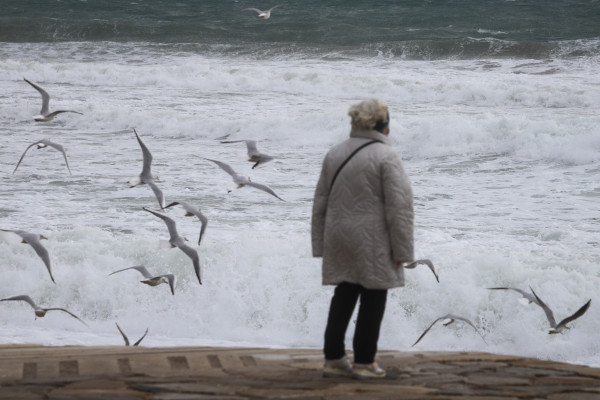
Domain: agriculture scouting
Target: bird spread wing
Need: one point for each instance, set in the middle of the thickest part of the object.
(139, 268)
(547, 310)
(174, 236)
(224, 167)
(68, 312)
(146, 167)
(255, 9)
(576, 315)
(125, 338)
(142, 338)
(425, 262)
(160, 197)
(58, 147)
(23, 156)
(193, 254)
(45, 97)
(24, 298)
(428, 328)
(264, 188)
(41, 251)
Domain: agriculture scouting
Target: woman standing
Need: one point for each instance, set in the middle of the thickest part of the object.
(362, 227)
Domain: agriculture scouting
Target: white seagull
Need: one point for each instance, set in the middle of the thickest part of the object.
(242, 181)
(45, 115)
(254, 155)
(127, 339)
(562, 325)
(146, 176)
(190, 211)
(424, 262)
(264, 14)
(152, 280)
(526, 298)
(177, 241)
(40, 145)
(450, 319)
(33, 239)
(39, 311)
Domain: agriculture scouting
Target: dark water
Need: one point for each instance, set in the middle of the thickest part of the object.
(421, 29)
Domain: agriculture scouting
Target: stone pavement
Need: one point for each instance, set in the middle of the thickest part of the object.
(183, 373)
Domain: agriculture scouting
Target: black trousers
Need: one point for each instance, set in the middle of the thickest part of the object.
(368, 323)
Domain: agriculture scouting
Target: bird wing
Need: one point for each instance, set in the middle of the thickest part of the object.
(160, 197)
(224, 167)
(427, 330)
(125, 338)
(523, 293)
(196, 211)
(272, 8)
(263, 187)
(456, 317)
(68, 312)
(576, 315)
(146, 167)
(45, 97)
(58, 147)
(425, 262)
(140, 339)
(255, 9)
(547, 310)
(21, 159)
(23, 298)
(142, 269)
(174, 236)
(171, 279)
(33, 241)
(193, 254)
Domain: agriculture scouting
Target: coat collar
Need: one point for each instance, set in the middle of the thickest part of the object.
(370, 134)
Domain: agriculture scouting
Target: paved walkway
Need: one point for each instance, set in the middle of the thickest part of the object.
(183, 373)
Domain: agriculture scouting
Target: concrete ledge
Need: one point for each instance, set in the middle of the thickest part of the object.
(178, 373)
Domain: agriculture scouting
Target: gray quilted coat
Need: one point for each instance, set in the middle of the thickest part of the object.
(365, 225)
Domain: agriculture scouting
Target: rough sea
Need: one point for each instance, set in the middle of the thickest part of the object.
(494, 109)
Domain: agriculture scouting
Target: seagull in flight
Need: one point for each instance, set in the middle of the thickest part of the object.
(242, 181)
(190, 211)
(424, 262)
(127, 339)
(254, 155)
(527, 298)
(39, 311)
(40, 145)
(264, 14)
(33, 239)
(45, 115)
(177, 241)
(449, 318)
(146, 176)
(562, 325)
(152, 280)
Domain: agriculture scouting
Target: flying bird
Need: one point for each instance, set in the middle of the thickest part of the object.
(424, 262)
(190, 211)
(451, 318)
(562, 325)
(177, 241)
(40, 145)
(254, 155)
(152, 280)
(127, 339)
(45, 115)
(528, 298)
(39, 311)
(242, 181)
(264, 14)
(33, 239)
(146, 176)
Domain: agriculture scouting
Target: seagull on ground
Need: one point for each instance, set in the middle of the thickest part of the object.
(45, 115)
(254, 155)
(146, 176)
(33, 239)
(127, 339)
(190, 211)
(450, 319)
(527, 298)
(152, 280)
(424, 262)
(562, 325)
(242, 181)
(39, 311)
(264, 14)
(177, 241)
(40, 145)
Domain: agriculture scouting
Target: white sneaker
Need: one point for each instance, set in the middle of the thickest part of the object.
(340, 368)
(367, 371)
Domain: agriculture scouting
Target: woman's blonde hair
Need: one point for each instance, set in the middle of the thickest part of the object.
(367, 113)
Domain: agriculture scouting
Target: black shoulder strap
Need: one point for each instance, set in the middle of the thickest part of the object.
(348, 159)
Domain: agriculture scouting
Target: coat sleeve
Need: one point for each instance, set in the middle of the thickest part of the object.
(398, 207)
(319, 212)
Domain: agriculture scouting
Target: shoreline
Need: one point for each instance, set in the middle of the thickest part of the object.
(31, 371)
